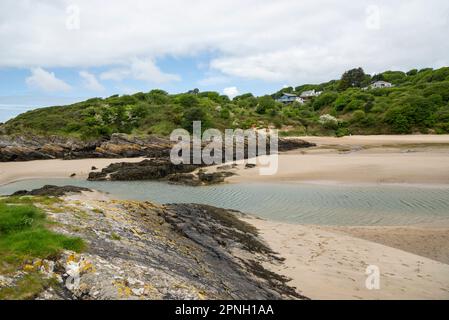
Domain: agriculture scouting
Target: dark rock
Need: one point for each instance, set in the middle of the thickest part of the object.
(50, 190)
(225, 167)
(250, 165)
(151, 169)
(72, 175)
(214, 177)
(292, 144)
(219, 231)
(94, 168)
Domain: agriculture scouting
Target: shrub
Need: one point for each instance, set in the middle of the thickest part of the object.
(328, 121)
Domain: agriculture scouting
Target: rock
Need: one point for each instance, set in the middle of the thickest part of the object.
(184, 251)
(225, 167)
(28, 148)
(21, 148)
(151, 169)
(50, 190)
(287, 144)
(214, 177)
(250, 165)
(93, 168)
(72, 175)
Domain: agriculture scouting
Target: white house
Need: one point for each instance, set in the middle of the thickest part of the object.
(381, 84)
(310, 94)
(289, 98)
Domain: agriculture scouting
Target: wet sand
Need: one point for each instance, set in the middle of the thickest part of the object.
(332, 265)
(41, 169)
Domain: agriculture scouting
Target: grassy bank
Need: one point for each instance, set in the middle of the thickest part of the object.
(25, 235)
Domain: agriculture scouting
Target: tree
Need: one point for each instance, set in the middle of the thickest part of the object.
(325, 99)
(352, 78)
(195, 114)
(188, 101)
(264, 104)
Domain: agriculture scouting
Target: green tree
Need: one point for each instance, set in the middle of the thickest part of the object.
(189, 101)
(265, 103)
(352, 78)
(195, 114)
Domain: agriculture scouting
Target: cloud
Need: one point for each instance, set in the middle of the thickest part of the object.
(213, 80)
(90, 81)
(231, 92)
(140, 69)
(284, 40)
(46, 81)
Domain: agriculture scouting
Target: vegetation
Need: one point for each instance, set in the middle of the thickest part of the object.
(24, 235)
(417, 102)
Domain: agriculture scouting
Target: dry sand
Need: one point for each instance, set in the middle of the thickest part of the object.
(41, 169)
(361, 159)
(328, 265)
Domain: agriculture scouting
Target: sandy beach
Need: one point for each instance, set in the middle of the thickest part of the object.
(332, 265)
(41, 169)
(362, 159)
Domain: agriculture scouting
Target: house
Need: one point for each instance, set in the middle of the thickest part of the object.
(310, 94)
(381, 84)
(290, 98)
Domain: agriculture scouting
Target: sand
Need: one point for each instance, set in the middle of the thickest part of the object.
(361, 159)
(328, 265)
(41, 169)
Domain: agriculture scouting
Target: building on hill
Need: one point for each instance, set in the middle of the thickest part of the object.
(310, 94)
(287, 98)
(380, 84)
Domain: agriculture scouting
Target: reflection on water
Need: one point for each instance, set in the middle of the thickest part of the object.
(301, 203)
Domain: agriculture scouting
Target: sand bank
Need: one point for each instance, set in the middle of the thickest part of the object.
(328, 265)
(362, 159)
(41, 169)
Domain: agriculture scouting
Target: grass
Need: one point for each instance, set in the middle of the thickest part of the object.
(24, 236)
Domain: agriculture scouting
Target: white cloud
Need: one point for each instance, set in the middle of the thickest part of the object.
(90, 81)
(231, 92)
(284, 40)
(213, 80)
(140, 69)
(47, 81)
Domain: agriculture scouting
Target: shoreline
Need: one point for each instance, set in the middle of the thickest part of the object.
(11, 172)
(324, 263)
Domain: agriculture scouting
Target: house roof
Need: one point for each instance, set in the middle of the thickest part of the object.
(290, 94)
(381, 82)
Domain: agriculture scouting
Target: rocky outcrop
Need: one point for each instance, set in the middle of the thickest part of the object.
(139, 250)
(50, 190)
(159, 169)
(118, 146)
(287, 144)
(151, 169)
(199, 179)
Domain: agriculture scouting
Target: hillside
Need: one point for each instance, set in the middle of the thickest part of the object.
(418, 102)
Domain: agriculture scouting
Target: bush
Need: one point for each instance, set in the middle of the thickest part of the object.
(328, 121)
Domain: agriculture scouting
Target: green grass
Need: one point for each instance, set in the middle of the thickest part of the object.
(24, 236)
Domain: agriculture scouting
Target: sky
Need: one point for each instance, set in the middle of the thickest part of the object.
(56, 52)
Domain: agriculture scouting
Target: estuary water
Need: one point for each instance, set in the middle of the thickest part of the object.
(291, 202)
